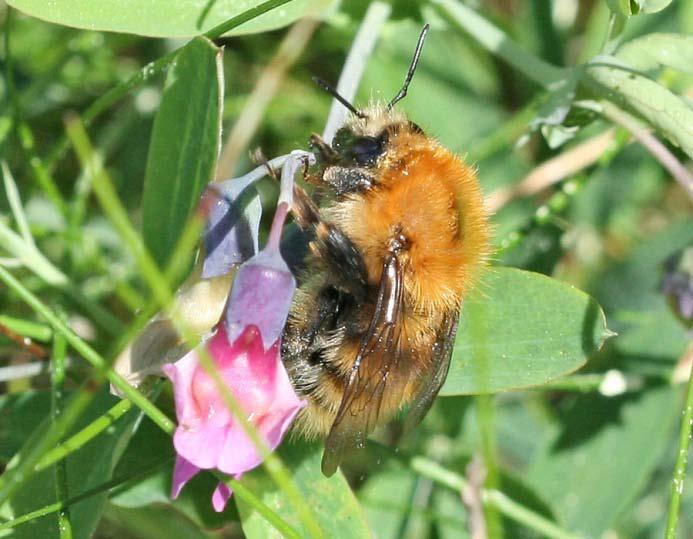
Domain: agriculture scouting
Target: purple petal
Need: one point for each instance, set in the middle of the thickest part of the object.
(220, 496)
(261, 297)
(231, 235)
(183, 471)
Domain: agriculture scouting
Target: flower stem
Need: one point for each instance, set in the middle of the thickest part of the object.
(679, 475)
(57, 387)
(277, 226)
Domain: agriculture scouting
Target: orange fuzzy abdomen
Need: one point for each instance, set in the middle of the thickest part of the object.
(434, 200)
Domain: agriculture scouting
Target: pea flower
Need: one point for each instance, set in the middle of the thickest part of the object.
(246, 351)
(678, 284)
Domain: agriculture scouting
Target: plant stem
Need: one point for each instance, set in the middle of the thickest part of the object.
(679, 475)
(27, 328)
(241, 491)
(485, 407)
(359, 53)
(494, 498)
(658, 150)
(73, 443)
(58, 381)
(41, 173)
(21, 466)
(64, 504)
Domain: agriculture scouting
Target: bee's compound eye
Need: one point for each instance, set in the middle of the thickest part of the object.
(366, 150)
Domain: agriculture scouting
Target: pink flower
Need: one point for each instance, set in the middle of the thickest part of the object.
(246, 352)
(208, 436)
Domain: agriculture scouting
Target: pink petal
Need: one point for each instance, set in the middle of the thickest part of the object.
(274, 425)
(248, 370)
(181, 374)
(183, 471)
(286, 405)
(239, 454)
(220, 497)
(284, 394)
(200, 445)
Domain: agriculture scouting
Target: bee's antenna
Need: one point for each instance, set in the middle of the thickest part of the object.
(325, 86)
(412, 68)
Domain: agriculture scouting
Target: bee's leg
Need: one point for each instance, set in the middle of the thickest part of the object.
(304, 210)
(345, 180)
(343, 260)
(326, 151)
(332, 246)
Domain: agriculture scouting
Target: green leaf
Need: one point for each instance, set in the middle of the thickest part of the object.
(184, 145)
(389, 500)
(659, 50)
(331, 499)
(87, 468)
(595, 465)
(664, 110)
(153, 522)
(521, 329)
(164, 18)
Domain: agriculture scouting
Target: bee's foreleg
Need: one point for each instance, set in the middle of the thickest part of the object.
(327, 153)
(345, 180)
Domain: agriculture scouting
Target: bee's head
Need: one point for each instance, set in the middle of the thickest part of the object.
(364, 139)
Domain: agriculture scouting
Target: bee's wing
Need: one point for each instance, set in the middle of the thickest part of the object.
(430, 386)
(379, 353)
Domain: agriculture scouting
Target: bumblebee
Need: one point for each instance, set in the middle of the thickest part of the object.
(397, 240)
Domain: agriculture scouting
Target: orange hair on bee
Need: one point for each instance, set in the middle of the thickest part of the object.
(436, 200)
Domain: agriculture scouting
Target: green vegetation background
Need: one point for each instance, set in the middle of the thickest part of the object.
(596, 465)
